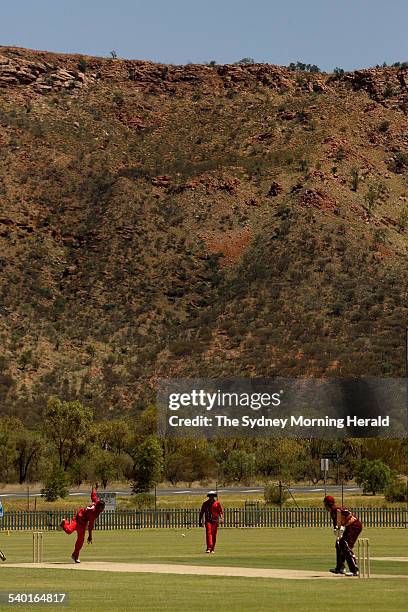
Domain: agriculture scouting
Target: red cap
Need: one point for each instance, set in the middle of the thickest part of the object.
(329, 500)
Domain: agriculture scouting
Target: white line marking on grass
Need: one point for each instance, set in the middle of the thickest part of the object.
(399, 559)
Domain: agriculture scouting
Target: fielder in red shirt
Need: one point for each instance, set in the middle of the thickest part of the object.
(85, 517)
(211, 515)
(347, 528)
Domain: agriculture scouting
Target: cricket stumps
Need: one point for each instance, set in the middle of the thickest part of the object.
(37, 547)
(363, 549)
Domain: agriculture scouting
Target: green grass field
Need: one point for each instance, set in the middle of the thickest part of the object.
(269, 548)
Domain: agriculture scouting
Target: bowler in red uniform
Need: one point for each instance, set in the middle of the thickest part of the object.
(85, 517)
(347, 528)
(211, 515)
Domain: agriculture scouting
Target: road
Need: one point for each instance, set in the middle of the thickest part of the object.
(331, 490)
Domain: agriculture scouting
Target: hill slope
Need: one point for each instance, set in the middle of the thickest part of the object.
(194, 220)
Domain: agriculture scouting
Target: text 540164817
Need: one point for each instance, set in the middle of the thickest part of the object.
(23, 597)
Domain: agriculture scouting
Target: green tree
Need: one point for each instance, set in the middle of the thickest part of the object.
(56, 485)
(147, 464)
(179, 467)
(267, 458)
(105, 467)
(20, 450)
(373, 476)
(82, 469)
(279, 458)
(146, 424)
(68, 426)
(114, 435)
(29, 447)
(239, 465)
(9, 427)
(192, 460)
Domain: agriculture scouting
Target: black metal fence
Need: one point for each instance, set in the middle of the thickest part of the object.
(261, 516)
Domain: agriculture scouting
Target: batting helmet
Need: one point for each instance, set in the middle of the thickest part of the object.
(329, 500)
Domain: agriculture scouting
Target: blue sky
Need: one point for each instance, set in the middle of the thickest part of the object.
(345, 33)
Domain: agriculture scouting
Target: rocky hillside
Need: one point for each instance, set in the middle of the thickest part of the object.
(164, 221)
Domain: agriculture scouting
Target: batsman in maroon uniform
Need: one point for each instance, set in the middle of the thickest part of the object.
(85, 517)
(347, 527)
(211, 515)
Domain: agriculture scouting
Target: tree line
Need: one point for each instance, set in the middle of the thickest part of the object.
(71, 447)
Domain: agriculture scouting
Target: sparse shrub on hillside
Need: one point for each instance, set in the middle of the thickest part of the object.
(338, 71)
(82, 65)
(376, 192)
(38, 129)
(90, 349)
(379, 236)
(283, 211)
(340, 153)
(388, 90)
(303, 166)
(25, 359)
(399, 162)
(245, 61)
(118, 98)
(301, 81)
(182, 347)
(300, 66)
(287, 136)
(231, 94)
(384, 126)
(370, 199)
(403, 219)
(355, 179)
